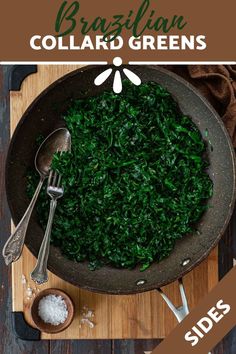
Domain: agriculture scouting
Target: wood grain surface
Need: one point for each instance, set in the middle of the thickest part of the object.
(135, 316)
(8, 343)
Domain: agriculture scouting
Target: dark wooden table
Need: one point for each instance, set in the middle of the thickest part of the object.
(9, 343)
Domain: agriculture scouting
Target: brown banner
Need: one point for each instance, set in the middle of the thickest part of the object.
(169, 30)
(207, 324)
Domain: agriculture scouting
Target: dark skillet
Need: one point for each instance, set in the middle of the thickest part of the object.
(44, 115)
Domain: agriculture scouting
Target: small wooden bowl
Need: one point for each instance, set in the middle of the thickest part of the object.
(47, 327)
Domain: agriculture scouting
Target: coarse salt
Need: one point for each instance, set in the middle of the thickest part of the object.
(29, 292)
(23, 279)
(87, 315)
(52, 309)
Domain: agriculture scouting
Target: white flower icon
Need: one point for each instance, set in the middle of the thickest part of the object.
(117, 82)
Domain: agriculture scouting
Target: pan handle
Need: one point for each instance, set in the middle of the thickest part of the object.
(182, 311)
(179, 312)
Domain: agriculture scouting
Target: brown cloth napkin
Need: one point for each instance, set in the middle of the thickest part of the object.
(218, 84)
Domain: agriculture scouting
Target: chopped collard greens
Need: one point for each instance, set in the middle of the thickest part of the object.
(135, 180)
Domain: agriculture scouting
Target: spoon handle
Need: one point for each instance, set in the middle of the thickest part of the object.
(14, 245)
(39, 274)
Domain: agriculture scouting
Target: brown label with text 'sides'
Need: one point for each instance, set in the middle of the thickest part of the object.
(207, 324)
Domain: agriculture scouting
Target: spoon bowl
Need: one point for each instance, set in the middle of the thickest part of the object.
(58, 140)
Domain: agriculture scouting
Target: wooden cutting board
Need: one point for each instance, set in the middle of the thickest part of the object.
(116, 317)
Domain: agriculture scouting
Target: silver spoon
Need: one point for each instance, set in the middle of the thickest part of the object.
(58, 140)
